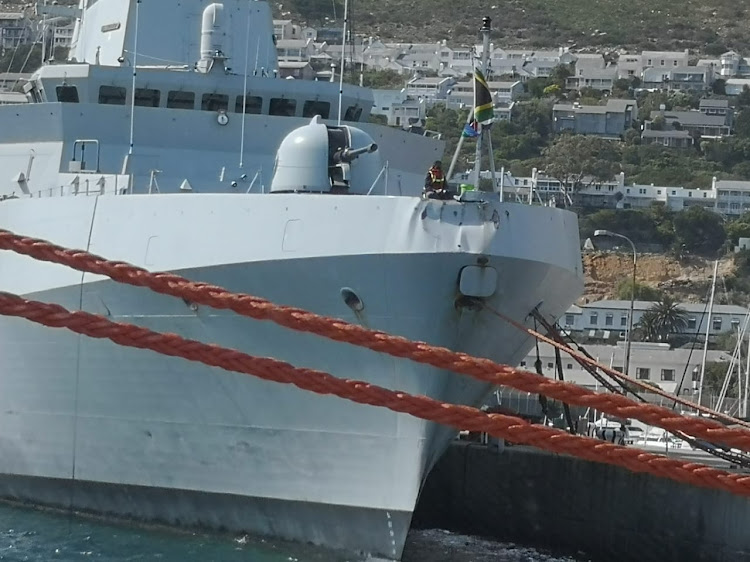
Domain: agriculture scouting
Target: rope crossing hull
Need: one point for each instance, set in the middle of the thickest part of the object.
(89, 423)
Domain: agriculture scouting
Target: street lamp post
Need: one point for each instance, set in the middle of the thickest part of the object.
(629, 337)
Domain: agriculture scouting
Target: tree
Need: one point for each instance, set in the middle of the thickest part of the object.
(699, 230)
(560, 74)
(742, 123)
(317, 10)
(713, 379)
(719, 87)
(536, 86)
(658, 123)
(26, 58)
(642, 292)
(663, 318)
(737, 229)
(743, 99)
(579, 160)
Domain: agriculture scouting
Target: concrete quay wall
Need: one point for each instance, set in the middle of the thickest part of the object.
(526, 496)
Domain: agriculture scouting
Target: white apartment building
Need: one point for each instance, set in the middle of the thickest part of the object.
(63, 36)
(398, 108)
(732, 197)
(607, 318)
(461, 94)
(726, 197)
(733, 65)
(664, 59)
(655, 363)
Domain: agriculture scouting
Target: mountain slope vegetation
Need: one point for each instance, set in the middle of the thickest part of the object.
(709, 26)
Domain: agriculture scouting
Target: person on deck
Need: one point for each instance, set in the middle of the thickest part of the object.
(434, 182)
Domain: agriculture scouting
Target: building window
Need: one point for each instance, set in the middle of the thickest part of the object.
(667, 374)
(180, 100)
(691, 323)
(111, 95)
(313, 108)
(696, 374)
(624, 320)
(283, 107)
(717, 324)
(643, 373)
(569, 366)
(569, 319)
(215, 102)
(550, 365)
(608, 319)
(618, 368)
(67, 94)
(523, 363)
(251, 104)
(593, 319)
(146, 97)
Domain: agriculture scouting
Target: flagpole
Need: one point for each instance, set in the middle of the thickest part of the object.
(458, 148)
(478, 152)
(486, 30)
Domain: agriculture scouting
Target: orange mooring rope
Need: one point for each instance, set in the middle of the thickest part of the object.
(338, 330)
(460, 417)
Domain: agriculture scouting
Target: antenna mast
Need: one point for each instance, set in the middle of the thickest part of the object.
(343, 58)
(244, 90)
(135, 73)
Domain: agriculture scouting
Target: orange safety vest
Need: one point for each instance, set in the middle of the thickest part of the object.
(437, 180)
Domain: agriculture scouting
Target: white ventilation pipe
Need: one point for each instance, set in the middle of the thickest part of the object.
(211, 31)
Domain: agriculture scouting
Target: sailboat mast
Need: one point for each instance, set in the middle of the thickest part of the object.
(708, 331)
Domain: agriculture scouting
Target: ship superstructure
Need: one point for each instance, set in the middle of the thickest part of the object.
(252, 183)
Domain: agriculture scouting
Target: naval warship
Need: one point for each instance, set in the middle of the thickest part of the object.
(168, 140)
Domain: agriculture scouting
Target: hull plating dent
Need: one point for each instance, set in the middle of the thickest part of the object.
(132, 418)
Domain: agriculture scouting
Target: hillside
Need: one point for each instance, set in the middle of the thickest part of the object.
(711, 26)
(687, 280)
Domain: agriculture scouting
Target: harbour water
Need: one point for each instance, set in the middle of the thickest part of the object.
(40, 536)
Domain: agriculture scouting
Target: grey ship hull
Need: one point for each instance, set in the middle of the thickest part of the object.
(94, 426)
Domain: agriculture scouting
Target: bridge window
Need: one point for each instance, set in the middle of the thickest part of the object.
(111, 95)
(177, 99)
(282, 106)
(353, 113)
(313, 108)
(67, 94)
(147, 97)
(251, 104)
(215, 102)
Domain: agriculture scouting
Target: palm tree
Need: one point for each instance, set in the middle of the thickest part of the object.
(663, 318)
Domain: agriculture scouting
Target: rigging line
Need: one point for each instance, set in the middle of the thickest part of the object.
(718, 416)
(26, 61)
(244, 92)
(559, 335)
(144, 56)
(543, 403)
(692, 348)
(13, 56)
(566, 407)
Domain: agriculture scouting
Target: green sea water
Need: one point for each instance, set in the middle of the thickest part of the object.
(42, 536)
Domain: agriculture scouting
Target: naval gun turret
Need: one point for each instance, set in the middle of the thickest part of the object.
(320, 158)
